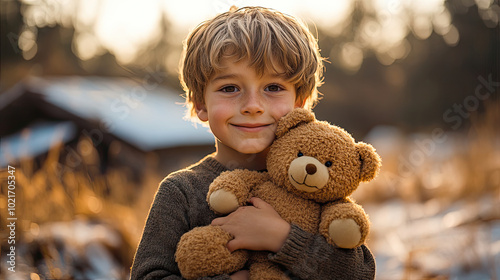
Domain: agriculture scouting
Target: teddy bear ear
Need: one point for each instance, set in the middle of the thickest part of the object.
(370, 161)
(293, 119)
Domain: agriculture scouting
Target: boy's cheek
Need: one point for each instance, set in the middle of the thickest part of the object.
(282, 109)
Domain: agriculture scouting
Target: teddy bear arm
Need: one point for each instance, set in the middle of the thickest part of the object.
(344, 224)
(232, 189)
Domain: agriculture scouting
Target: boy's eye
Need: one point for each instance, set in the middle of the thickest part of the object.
(273, 88)
(229, 89)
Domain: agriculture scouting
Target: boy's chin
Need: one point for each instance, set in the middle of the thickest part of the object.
(249, 149)
(244, 148)
(250, 152)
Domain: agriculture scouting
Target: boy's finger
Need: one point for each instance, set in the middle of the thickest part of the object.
(233, 245)
(218, 221)
(259, 203)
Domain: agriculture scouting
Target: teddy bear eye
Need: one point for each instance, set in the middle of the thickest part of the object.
(300, 154)
(328, 163)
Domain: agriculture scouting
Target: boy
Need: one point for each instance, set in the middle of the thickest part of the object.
(242, 71)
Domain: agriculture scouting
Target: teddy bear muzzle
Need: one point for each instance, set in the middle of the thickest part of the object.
(308, 174)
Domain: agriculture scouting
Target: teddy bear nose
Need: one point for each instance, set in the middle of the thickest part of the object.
(311, 169)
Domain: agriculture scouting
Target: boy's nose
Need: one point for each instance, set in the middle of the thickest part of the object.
(252, 103)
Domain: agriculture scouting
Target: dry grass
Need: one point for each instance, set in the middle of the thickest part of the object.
(62, 191)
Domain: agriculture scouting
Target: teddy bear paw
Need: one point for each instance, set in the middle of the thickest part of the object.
(223, 202)
(345, 233)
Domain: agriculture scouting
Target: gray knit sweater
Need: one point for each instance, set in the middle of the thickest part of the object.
(180, 205)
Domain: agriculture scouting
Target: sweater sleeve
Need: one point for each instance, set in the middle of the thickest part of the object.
(168, 219)
(310, 256)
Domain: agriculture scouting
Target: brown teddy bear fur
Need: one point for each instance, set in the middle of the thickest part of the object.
(312, 169)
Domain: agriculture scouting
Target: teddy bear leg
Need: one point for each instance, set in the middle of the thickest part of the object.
(203, 252)
(266, 271)
(344, 224)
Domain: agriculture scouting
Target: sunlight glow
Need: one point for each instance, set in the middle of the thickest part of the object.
(328, 14)
(422, 27)
(86, 46)
(452, 36)
(351, 57)
(125, 27)
(87, 15)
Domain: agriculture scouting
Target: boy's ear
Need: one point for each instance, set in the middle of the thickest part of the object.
(201, 112)
(299, 103)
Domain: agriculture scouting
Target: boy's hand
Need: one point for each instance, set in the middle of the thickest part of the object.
(240, 275)
(256, 227)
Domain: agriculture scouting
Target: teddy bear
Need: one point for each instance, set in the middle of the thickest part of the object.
(312, 169)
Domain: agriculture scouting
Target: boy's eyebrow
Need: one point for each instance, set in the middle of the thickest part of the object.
(223, 77)
(231, 76)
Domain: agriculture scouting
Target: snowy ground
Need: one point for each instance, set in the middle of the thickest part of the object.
(422, 241)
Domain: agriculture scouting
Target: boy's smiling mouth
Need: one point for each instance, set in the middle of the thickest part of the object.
(251, 127)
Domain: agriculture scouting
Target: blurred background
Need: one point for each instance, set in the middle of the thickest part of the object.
(91, 121)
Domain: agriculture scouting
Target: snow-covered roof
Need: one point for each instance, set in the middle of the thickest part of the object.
(145, 115)
(34, 141)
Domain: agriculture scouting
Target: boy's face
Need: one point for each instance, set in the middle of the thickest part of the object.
(243, 107)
